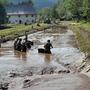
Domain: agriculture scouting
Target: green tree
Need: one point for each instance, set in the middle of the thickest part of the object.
(74, 7)
(86, 9)
(3, 16)
(68, 10)
(44, 14)
(54, 12)
(4, 2)
(61, 10)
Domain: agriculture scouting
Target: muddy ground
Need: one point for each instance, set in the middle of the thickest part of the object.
(34, 71)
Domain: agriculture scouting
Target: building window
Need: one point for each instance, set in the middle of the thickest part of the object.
(20, 21)
(18, 15)
(26, 15)
(16, 21)
(32, 21)
(32, 15)
(8, 16)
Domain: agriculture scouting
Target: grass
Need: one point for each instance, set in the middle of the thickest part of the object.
(82, 31)
(83, 24)
(20, 28)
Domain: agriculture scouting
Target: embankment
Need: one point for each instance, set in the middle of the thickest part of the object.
(82, 34)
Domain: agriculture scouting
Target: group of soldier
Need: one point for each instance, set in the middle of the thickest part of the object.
(25, 44)
(22, 45)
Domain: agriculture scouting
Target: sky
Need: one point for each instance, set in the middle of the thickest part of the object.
(38, 3)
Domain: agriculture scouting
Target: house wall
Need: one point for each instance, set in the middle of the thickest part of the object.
(16, 19)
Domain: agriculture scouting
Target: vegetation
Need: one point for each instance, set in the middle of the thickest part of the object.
(20, 29)
(82, 31)
(3, 16)
(69, 10)
(3, 2)
(44, 14)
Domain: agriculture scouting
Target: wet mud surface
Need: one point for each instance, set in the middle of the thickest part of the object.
(14, 64)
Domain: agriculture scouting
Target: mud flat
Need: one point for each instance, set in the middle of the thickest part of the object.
(31, 70)
(51, 82)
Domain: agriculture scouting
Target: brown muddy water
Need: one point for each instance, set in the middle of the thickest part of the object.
(65, 51)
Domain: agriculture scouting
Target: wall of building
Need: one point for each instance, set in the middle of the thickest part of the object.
(16, 19)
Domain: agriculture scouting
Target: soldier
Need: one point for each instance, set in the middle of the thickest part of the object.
(15, 43)
(26, 37)
(28, 43)
(19, 45)
(0, 43)
(24, 46)
(48, 46)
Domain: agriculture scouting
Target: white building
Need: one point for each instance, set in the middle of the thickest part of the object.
(21, 14)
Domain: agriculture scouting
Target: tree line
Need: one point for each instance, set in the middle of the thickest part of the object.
(67, 10)
(63, 10)
(3, 16)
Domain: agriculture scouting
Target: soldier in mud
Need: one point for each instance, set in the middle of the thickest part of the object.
(26, 37)
(28, 43)
(19, 45)
(15, 43)
(24, 46)
(48, 47)
(0, 43)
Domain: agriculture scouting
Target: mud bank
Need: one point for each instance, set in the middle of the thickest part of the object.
(50, 82)
(82, 66)
(82, 36)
